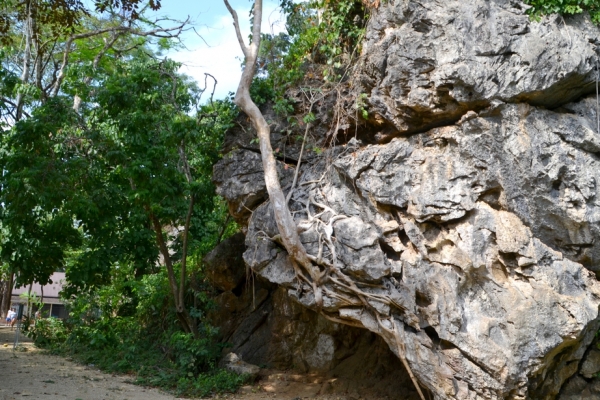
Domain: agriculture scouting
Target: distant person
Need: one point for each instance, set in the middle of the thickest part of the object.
(13, 321)
(11, 316)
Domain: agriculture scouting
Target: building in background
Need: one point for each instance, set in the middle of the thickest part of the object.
(47, 294)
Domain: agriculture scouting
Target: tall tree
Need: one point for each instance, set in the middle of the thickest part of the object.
(102, 162)
(283, 217)
(43, 38)
(109, 181)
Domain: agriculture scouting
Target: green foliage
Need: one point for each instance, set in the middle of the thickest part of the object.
(36, 184)
(361, 105)
(130, 327)
(58, 16)
(261, 91)
(94, 173)
(321, 33)
(544, 7)
(46, 332)
(205, 384)
(78, 189)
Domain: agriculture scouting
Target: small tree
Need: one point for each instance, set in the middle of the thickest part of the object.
(288, 230)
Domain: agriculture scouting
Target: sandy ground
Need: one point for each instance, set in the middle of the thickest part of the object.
(29, 373)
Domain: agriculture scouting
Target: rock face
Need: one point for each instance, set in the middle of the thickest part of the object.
(428, 62)
(263, 326)
(225, 268)
(466, 238)
(233, 363)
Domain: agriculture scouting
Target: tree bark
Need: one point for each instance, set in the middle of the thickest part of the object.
(29, 300)
(182, 314)
(186, 227)
(7, 295)
(26, 59)
(283, 217)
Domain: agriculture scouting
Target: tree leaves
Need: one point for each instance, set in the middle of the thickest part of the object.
(77, 188)
(545, 7)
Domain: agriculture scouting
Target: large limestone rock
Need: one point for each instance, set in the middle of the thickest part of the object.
(262, 325)
(466, 238)
(429, 62)
(224, 265)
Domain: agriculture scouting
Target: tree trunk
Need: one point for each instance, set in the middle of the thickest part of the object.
(7, 295)
(283, 217)
(26, 58)
(184, 317)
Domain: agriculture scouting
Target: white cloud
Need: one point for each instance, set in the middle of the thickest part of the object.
(219, 53)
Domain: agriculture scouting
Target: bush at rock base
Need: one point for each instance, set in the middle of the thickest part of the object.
(148, 343)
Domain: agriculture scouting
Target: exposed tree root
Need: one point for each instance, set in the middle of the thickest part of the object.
(314, 270)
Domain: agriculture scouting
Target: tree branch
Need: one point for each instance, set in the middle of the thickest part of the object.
(285, 222)
(158, 32)
(26, 60)
(256, 25)
(7, 101)
(186, 234)
(238, 33)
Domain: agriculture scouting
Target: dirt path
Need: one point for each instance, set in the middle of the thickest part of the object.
(34, 374)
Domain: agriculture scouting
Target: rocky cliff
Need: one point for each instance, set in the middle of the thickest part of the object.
(460, 222)
(262, 325)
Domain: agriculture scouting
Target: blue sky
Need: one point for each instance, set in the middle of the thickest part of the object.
(217, 51)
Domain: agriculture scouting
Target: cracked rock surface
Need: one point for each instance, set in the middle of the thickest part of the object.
(466, 239)
(427, 62)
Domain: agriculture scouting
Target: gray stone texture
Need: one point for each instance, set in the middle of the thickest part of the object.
(263, 326)
(468, 212)
(224, 265)
(428, 62)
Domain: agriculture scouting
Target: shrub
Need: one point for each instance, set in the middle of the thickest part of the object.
(146, 341)
(544, 7)
(46, 332)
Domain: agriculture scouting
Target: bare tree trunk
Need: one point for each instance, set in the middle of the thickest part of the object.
(26, 58)
(7, 295)
(186, 228)
(283, 217)
(29, 300)
(182, 313)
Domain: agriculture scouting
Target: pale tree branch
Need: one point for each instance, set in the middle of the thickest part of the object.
(283, 217)
(61, 73)
(236, 24)
(26, 60)
(39, 58)
(257, 22)
(106, 47)
(119, 30)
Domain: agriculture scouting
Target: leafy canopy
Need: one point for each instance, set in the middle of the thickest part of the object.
(544, 7)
